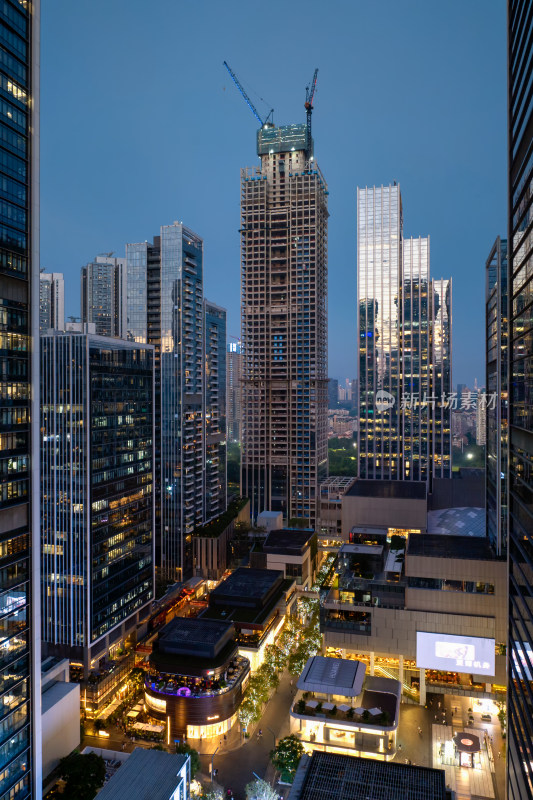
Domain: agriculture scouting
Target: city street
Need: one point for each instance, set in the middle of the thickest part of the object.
(236, 764)
(237, 761)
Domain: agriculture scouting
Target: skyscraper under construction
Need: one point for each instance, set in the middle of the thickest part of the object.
(284, 324)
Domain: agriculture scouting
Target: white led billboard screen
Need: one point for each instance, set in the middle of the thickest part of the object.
(455, 653)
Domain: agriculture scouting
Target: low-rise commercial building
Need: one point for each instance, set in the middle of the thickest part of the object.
(330, 776)
(430, 612)
(341, 710)
(257, 602)
(197, 678)
(332, 490)
(293, 551)
(60, 712)
(150, 773)
(211, 542)
(388, 504)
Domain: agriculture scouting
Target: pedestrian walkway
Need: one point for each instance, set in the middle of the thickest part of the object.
(464, 781)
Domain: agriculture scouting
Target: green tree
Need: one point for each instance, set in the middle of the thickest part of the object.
(136, 676)
(260, 790)
(185, 749)
(84, 775)
(286, 756)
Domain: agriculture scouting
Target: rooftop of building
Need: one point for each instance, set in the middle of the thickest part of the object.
(254, 614)
(458, 522)
(288, 539)
(436, 545)
(268, 515)
(397, 490)
(332, 676)
(218, 525)
(96, 339)
(191, 631)
(336, 483)
(254, 584)
(331, 776)
(145, 774)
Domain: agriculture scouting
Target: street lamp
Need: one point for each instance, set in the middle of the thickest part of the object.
(212, 757)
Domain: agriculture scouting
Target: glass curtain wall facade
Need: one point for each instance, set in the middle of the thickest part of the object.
(379, 258)
(215, 411)
(441, 377)
(497, 353)
(404, 347)
(520, 496)
(96, 491)
(414, 358)
(51, 301)
(284, 326)
(165, 306)
(20, 749)
(103, 295)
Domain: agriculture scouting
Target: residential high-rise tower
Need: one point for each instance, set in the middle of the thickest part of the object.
(103, 295)
(284, 221)
(520, 505)
(165, 307)
(215, 410)
(20, 662)
(51, 301)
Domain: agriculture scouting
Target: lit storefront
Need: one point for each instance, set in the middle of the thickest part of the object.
(341, 710)
(197, 678)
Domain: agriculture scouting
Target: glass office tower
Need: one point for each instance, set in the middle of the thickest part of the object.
(284, 380)
(404, 347)
(414, 349)
(20, 749)
(440, 448)
(520, 497)
(497, 355)
(379, 254)
(97, 499)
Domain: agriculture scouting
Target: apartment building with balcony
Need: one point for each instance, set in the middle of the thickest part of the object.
(165, 307)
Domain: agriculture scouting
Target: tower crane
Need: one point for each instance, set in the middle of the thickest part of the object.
(309, 95)
(247, 99)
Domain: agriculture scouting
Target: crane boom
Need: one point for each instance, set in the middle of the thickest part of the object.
(310, 91)
(309, 95)
(241, 90)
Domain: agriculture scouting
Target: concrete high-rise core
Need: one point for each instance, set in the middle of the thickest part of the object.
(284, 222)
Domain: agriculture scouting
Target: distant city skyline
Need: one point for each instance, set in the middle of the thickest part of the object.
(434, 123)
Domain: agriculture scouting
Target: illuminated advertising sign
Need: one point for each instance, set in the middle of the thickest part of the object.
(455, 653)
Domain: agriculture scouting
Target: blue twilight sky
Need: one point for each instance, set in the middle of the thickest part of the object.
(141, 125)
